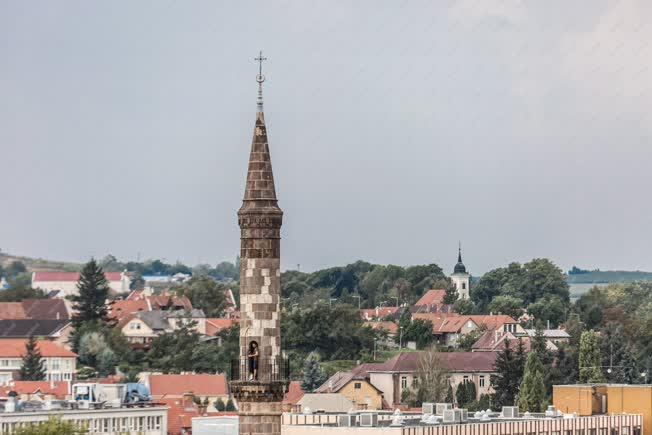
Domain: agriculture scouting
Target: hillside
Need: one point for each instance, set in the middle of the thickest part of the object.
(606, 276)
(36, 264)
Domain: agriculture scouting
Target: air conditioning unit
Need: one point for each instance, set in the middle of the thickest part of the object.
(510, 412)
(441, 407)
(464, 415)
(551, 411)
(346, 420)
(452, 416)
(428, 408)
(369, 419)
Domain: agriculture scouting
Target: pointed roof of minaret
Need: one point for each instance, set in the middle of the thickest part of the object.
(260, 191)
(459, 267)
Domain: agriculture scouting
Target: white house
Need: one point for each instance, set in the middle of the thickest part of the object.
(66, 282)
(59, 363)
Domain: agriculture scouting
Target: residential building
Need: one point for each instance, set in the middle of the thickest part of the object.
(355, 385)
(447, 328)
(391, 328)
(399, 373)
(204, 386)
(214, 326)
(108, 421)
(138, 301)
(489, 424)
(37, 390)
(380, 313)
(555, 336)
(59, 362)
(41, 309)
(141, 327)
(325, 402)
(432, 301)
(57, 331)
(608, 399)
(292, 397)
(461, 278)
(66, 282)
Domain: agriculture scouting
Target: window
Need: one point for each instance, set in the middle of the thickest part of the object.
(465, 378)
(614, 431)
(134, 325)
(637, 430)
(482, 380)
(404, 382)
(625, 430)
(463, 286)
(357, 385)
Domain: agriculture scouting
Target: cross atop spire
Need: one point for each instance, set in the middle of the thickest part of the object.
(459, 252)
(260, 78)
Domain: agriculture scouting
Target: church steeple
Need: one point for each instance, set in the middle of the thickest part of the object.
(459, 267)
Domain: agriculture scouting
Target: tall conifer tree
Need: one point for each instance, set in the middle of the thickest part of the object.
(32, 367)
(90, 304)
(532, 394)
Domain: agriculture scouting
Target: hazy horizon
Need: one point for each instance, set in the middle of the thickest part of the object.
(396, 130)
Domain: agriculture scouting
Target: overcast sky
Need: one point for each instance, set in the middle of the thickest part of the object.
(396, 128)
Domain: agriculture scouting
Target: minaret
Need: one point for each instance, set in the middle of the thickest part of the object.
(259, 387)
(460, 277)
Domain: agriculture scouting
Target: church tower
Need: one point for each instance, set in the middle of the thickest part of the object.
(259, 378)
(460, 277)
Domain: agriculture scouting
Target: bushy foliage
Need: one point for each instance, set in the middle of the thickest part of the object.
(313, 375)
(53, 426)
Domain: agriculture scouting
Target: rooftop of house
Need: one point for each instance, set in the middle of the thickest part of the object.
(15, 348)
(336, 382)
(378, 312)
(12, 310)
(216, 325)
(25, 328)
(453, 323)
(390, 327)
(549, 333)
(34, 309)
(294, 393)
(494, 340)
(177, 385)
(432, 297)
(461, 362)
(58, 389)
(69, 277)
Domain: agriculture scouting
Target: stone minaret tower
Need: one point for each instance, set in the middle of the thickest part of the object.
(259, 398)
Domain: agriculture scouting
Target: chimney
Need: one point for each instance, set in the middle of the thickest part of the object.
(187, 401)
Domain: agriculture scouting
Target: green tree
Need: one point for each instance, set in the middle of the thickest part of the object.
(32, 368)
(465, 394)
(313, 375)
(464, 306)
(465, 342)
(106, 362)
(230, 407)
(219, 405)
(54, 426)
(508, 375)
(532, 394)
(204, 293)
(431, 382)
(549, 308)
(451, 294)
(419, 331)
(590, 360)
(90, 304)
(18, 294)
(506, 304)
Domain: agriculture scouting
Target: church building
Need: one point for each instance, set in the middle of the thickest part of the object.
(460, 277)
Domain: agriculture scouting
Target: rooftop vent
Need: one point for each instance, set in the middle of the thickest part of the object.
(346, 420)
(510, 412)
(440, 407)
(368, 419)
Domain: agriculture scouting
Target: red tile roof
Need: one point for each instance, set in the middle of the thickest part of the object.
(214, 325)
(15, 348)
(378, 312)
(177, 385)
(390, 327)
(12, 311)
(69, 276)
(120, 309)
(493, 340)
(59, 389)
(452, 361)
(294, 394)
(452, 323)
(336, 382)
(432, 297)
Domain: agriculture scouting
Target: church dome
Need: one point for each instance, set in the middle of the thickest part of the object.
(459, 267)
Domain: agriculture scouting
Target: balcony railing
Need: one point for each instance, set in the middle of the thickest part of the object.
(263, 370)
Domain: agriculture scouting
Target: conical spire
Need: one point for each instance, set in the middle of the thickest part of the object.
(459, 267)
(260, 192)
